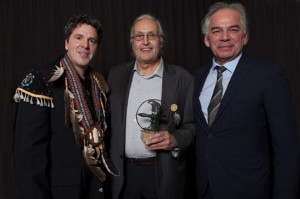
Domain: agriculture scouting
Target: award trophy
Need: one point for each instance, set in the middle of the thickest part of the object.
(152, 116)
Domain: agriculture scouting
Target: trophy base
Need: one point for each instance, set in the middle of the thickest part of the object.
(145, 135)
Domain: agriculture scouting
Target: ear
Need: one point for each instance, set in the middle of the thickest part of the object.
(206, 41)
(245, 38)
(66, 45)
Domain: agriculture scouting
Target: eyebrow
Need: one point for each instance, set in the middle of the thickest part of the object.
(82, 35)
(219, 27)
(141, 32)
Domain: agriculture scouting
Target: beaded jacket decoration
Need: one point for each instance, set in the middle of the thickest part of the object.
(89, 134)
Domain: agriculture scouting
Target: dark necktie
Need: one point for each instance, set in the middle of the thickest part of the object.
(216, 97)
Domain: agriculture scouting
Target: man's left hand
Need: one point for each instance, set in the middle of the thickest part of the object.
(162, 140)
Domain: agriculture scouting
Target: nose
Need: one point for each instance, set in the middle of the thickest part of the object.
(145, 40)
(225, 35)
(85, 43)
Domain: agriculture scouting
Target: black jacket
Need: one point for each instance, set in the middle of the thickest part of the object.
(48, 162)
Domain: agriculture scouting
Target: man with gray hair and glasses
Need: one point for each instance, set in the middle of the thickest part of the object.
(246, 145)
(153, 168)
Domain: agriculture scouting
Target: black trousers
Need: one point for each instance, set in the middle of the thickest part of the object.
(140, 182)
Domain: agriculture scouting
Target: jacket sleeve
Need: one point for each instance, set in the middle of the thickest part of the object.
(282, 125)
(32, 140)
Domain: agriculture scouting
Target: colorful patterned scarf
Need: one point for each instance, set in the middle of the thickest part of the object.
(88, 134)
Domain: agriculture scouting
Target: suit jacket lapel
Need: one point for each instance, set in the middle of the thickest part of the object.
(169, 84)
(199, 83)
(235, 83)
(125, 87)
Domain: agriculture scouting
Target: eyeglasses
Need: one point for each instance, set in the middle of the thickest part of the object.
(150, 36)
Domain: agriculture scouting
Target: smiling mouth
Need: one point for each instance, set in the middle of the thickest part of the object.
(225, 47)
(84, 54)
(146, 49)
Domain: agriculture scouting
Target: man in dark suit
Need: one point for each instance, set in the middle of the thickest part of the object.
(61, 121)
(156, 168)
(246, 144)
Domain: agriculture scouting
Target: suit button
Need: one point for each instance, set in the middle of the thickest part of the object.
(210, 135)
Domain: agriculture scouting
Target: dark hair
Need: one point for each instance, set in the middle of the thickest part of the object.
(74, 21)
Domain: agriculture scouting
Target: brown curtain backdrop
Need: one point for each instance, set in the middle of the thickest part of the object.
(32, 34)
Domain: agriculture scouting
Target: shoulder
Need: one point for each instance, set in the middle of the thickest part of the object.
(121, 70)
(178, 71)
(179, 78)
(34, 90)
(34, 87)
(263, 70)
(259, 63)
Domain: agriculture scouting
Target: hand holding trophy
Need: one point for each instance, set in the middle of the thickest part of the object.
(152, 116)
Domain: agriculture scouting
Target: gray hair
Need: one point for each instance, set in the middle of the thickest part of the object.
(238, 7)
(150, 17)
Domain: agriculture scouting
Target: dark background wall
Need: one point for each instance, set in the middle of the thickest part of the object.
(31, 34)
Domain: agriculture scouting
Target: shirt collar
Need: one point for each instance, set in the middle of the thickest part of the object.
(230, 66)
(158, 72)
